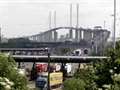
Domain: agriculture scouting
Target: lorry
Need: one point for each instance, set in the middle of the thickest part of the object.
(56, 79)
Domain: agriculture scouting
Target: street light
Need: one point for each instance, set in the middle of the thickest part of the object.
(114, 24)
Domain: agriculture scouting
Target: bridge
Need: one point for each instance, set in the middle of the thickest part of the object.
(41, 55)
(75, 38)
(96, 35)
(58, 59)
(90, 39)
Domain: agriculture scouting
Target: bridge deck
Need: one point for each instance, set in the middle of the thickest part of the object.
(58, 59)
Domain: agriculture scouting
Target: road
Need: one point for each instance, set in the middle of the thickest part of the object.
(31, 86)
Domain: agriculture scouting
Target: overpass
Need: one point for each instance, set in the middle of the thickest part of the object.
(58, 59)
(39, 51)
(24, 51)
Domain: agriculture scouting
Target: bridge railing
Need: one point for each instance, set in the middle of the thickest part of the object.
(59, 59)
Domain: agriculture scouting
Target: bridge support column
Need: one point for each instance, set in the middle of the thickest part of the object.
(70, 34)
(76, 35)
(83, 35)
(55, 36)
(45, 37)
(33, 38)
(80, 34)
(88, 35)
(49, 36)
(42, 38)
(37, 39)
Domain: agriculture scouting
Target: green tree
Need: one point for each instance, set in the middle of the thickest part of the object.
(8, 70)
(74, 84)
(108, 70)
(85, 77)
(88, 76)
(102, 74)
(65, 50)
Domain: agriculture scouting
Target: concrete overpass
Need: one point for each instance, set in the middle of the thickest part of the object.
(58, 59)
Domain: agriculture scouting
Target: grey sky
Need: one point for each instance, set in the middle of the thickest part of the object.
(27, 17)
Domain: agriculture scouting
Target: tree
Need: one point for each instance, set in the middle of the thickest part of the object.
(108, 71)
(65, 51)
(74, 84)
(88, 76)
(83, 80)
(10, 73)
(101, 74)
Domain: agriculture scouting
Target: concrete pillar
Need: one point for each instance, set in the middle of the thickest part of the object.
(33, 38)
(88, 35)
(55, 36)
(49, 36)
(30, 38)
(70, 34)
(42, 38)
(39, 36)
(80, 34)
(45, 37)
(76, 35)
(37, 39)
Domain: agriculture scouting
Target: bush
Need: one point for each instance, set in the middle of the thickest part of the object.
(74, 84)
(8, 70)
(101, 75)
(88, 76)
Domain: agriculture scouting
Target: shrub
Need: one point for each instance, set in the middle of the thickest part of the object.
(74, 84)
(8, 70)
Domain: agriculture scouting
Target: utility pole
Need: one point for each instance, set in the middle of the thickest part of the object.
(0, 35)
(114, 36)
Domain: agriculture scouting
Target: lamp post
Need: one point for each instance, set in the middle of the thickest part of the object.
(114, 24)
(0, 35)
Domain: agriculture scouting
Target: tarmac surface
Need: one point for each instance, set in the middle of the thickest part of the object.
(31, 85)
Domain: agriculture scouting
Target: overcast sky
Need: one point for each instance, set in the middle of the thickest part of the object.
(28, 17)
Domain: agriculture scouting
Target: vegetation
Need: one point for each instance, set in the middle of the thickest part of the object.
(74, 84)
(10, 77)
(65, 51)
(100, 75)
